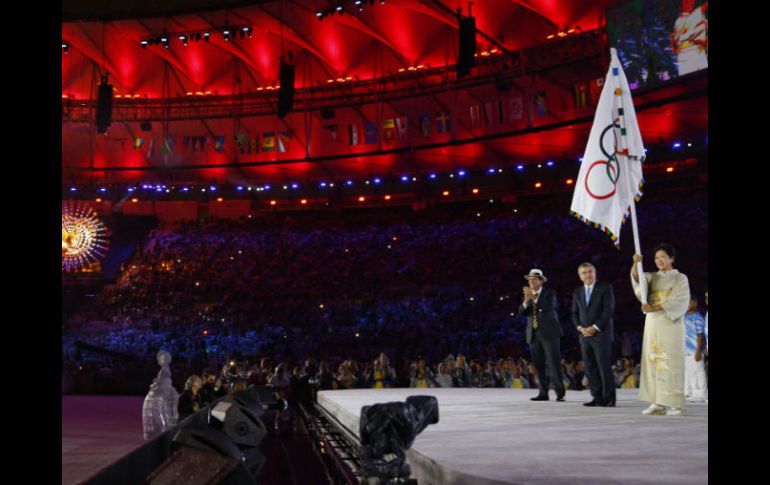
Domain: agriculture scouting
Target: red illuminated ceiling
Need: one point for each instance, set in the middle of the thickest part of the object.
(372, 44)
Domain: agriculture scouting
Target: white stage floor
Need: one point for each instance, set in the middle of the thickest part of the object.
(493, 436)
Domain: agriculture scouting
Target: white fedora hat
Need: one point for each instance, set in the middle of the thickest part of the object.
(536, 273)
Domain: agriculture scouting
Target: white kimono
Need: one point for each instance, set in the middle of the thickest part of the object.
(662, 376)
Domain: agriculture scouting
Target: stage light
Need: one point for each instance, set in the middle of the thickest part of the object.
(73, 189)
(361, 199)
(303, 201)
(219, 199)
(295, 186)
(404, 178)
(185, 189)
(144, 43)
(239, 188)
(349, 183)
(677, 145)
(206, 36)
(519, 167)
(377, 181)
(320, 15)
(461, 173)
(323, 185)
(134, 200)
(226, 34)
(538, 185)
(266, 187)
(670, 169)
(475, 191)
(432, 176)
(491, 170)
(387, 197)
(340, 8)
(580, 160)
(539, 165)
(550, 163)
(272, 202)
(130, 189)
(212, 188)
(65, 47)
(445, 193)
(98, 200)
(570, 181)
(183, 38)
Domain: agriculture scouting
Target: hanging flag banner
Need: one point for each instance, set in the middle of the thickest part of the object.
(401, 127)
(475, 116)
(168, 145)
(370, 132)
(581, 95)
(241, 141)
(425, 125)
(388, 131)
(283, 141)
(268, 141)
(219, 143)
(540, 103)
(442, 122)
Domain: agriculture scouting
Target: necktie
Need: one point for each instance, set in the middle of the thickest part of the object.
(588, 295)
(534, 314)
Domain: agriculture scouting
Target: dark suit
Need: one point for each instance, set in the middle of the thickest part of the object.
(544, 341)
(597, 350)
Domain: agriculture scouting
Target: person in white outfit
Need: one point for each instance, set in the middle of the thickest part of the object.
(694, 372)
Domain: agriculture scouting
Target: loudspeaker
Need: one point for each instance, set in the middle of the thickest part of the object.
(203, 437)
(286, 92)
(240, 417)
(193, 466)
(104, 106)
(465, 58)
(146, 126)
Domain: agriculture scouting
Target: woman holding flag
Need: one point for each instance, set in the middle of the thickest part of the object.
(662, 377)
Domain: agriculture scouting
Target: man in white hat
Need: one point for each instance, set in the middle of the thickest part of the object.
(543, 333)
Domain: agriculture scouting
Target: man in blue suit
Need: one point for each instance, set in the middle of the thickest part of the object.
(593, 304)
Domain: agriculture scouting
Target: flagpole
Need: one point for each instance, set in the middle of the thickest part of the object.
(623, 157)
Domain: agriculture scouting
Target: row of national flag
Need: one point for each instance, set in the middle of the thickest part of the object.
(270, 142)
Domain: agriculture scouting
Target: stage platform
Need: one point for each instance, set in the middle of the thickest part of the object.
(97, 431)
(496, 436)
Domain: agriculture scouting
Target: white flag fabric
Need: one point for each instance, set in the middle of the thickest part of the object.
(602, 195)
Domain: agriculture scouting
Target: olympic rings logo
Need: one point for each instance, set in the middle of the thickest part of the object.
(612, 165)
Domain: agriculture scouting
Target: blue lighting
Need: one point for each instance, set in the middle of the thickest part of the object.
(677, 145)
(377, 180)
(323, 184)
(519, 167)
(240, 187)
(550, 163)
(432, 176)
(159, 189)
(580, 160)
(266, 187)
(491, 170)
(130, 189)
(102, 190)
(349, 183)
(295, 186)
(185, 189)
(212, 188)
(404, 178)
(73, 189)
(461, 173)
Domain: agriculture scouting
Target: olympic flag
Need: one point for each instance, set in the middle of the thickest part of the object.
(610, 177)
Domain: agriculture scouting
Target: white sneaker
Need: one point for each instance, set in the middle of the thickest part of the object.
(654, 409)
(674, 412)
